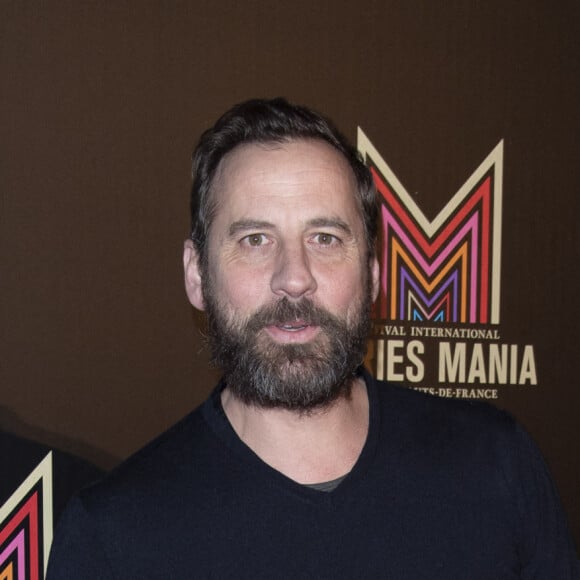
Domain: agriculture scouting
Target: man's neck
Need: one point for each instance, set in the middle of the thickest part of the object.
(312, 447)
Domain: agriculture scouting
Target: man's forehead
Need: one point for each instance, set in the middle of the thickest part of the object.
(296, 155)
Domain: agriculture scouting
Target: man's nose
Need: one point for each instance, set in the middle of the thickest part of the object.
(292, 275)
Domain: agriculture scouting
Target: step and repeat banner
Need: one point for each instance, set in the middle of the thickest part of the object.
(468, 117)
(438, 316)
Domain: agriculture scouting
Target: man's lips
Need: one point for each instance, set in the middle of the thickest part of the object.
(295, 331)
(293, 326)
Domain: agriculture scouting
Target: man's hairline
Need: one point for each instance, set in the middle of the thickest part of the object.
(271, 144)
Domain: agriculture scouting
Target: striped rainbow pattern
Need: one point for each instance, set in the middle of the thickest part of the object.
(26, 526)
(446, 270)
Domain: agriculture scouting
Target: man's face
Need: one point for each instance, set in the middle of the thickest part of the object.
(288, 284)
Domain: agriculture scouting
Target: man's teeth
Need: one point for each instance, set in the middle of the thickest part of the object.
(292, 327)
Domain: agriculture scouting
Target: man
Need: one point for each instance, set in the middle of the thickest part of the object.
(300, 465)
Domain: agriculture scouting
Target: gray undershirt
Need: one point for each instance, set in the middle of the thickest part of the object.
(326, 485)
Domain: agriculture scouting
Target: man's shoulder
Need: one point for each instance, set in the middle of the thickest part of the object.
(441, 440)
(165, 485)
(167, 459)
(435, 418)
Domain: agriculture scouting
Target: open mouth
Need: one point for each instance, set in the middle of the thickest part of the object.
(294, 327)
(293, 331)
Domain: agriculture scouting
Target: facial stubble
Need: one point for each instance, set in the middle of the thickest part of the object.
(298, 376)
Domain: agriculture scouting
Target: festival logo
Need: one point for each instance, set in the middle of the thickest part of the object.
(436, 320)
(26, 526)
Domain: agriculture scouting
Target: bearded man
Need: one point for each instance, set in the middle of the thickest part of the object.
(300, 465)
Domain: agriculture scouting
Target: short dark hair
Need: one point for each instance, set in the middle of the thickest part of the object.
(270, 121)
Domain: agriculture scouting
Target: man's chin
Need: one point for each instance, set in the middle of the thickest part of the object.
(294, 397)
(295, 378)
(279, 348)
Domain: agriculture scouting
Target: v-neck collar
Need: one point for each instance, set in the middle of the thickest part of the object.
(215, 416)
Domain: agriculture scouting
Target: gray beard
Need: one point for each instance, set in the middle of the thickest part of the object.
(299, 377)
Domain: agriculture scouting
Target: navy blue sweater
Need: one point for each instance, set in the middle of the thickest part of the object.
(442, 490)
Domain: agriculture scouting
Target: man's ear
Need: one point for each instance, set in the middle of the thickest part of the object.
(192, 274)
(375, 277)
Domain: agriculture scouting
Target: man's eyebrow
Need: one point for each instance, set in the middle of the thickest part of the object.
(331, 223)
(249, 224)
(245, 225)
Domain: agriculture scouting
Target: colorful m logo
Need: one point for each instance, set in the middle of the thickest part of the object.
(446, 270)
(26, 526)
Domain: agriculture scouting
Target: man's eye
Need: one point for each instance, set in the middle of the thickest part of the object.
(325, 239)
(255, 240)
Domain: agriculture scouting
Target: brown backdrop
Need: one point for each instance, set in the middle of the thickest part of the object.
(101, 104)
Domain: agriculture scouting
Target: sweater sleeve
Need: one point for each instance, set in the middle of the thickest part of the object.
(546, 546)
(77, 551)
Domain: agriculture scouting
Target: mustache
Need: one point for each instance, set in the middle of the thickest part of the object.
(285, 311)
